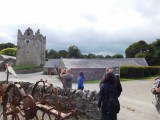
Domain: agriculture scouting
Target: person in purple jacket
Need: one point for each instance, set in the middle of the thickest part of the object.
(81, 79)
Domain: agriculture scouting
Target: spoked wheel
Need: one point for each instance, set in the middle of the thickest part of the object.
(42, 91)
(17, 105)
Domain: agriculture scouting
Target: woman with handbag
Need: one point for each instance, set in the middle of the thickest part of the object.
(108, 102)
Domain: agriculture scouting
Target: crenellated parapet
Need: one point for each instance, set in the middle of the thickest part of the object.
(30, 35)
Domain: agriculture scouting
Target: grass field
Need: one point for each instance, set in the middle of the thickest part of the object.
(122, 80)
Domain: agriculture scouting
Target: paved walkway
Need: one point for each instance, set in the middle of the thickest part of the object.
(136, 99)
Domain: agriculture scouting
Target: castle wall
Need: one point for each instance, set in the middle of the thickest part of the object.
(30, 49)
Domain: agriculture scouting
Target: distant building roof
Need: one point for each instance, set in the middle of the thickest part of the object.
(96, 63)
(52, 63)
(103, 63)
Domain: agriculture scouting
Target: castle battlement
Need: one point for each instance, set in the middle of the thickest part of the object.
(29, 34)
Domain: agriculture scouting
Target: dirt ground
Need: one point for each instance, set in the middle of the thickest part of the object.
(136, 99)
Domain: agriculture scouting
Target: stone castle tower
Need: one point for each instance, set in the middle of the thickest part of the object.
(30, 48)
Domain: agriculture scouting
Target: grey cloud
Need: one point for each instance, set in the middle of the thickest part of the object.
(88, 40)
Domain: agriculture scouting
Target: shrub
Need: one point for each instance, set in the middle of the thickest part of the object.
(139, 71)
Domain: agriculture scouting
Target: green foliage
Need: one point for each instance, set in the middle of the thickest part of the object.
(108, 56)
(140, 55)
(6, 45)
(52, 54)
(63, 53)
(74, 52)
(99, 56)
(23, 67)
(92, 81)
(117, 56)
(9, 51)
(90, 55)
(151, 52)
(138, 72)
(137, 47)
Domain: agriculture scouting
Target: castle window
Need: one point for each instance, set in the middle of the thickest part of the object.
(27, 41)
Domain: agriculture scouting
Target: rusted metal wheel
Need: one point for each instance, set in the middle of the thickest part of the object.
(41, 92)
(17, 105)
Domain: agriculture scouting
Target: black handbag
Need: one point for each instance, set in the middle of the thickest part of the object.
(113, 106)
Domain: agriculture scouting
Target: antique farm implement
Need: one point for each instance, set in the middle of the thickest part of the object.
(42, 93)
(17, 105)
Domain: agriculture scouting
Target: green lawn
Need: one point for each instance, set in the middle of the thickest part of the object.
(92, 81)
(122, 79)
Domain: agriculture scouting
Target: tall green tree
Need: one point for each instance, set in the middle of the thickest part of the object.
(52, 54)
(99, 56)
(117, 56)
(132, 50)
(74, 52)
(91, 55)
(140, 55)
(63, 53)
(156, 52)
(108, 56)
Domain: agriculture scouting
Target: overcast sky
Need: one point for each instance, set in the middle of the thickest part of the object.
(104, 27)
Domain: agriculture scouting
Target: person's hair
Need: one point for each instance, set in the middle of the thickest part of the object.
(108, 69)
(81, 74)
(108, 77)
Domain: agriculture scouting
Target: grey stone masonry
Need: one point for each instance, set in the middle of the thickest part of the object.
(84, 101)
(30, 48)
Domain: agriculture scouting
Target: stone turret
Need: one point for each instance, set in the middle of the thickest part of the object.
(30, 48)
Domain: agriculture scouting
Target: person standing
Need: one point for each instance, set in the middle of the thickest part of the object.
(156, 92)
(81, 79)
(67, 78)
(108, 92)
(118, 83)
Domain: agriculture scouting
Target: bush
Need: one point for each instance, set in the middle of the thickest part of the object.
(139, 72)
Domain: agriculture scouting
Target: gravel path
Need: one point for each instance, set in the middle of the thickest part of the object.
(136, 99)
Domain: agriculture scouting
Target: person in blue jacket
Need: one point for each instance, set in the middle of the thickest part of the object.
(81, 79)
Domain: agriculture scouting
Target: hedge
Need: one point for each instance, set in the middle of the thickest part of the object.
(139, 72)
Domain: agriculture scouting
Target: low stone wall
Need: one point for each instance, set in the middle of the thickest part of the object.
(84, 101)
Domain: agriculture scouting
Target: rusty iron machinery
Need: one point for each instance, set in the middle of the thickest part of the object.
(41, 92)
(16, 104)
(19, 105)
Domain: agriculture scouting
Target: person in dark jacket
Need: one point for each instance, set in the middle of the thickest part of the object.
(108, 89)
(81, 79)
(118, 83)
